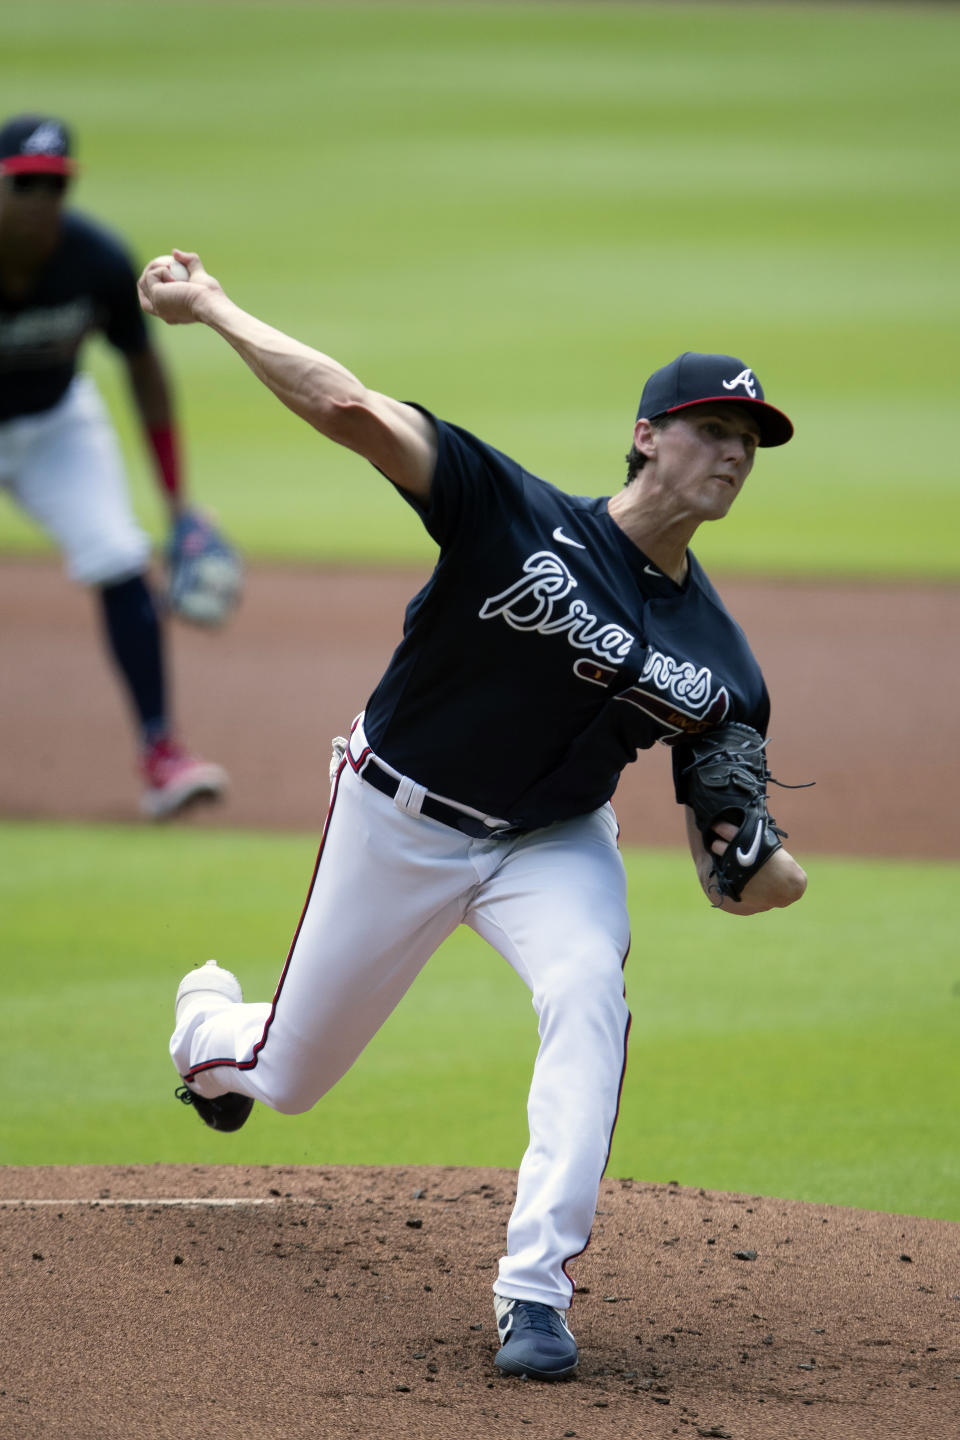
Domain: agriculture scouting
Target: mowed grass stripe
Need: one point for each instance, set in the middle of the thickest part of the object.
(512, 213)
(810, 1054)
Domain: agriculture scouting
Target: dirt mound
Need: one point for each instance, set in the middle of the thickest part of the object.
(183, 1301)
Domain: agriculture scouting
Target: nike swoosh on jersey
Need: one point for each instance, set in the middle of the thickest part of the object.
(559, 536)
(649, 570)
(747, 857)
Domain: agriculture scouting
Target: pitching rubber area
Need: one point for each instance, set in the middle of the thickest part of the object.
(159, 1301)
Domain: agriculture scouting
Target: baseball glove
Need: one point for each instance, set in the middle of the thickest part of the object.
(205, 572)
(726, 779)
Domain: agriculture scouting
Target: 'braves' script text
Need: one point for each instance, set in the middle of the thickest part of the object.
(533, 603)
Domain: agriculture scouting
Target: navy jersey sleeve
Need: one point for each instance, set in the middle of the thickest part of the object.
(121, 317)
(93, 261)
(475, 490)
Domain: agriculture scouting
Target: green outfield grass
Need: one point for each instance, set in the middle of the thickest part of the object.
(512, 212)
(810, 1054)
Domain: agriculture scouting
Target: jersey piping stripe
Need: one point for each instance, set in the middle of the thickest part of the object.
(357, 765)
(233, 1063)
(616, 1116)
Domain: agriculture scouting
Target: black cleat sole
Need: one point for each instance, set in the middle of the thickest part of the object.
(528, 1372)
(227, 1112)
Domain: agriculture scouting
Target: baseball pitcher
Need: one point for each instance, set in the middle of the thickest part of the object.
(556, 637)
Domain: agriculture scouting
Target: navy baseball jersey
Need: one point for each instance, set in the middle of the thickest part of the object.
(87, 284)
(581, 650)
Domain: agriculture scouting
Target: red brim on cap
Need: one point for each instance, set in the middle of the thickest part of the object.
(775, 428)
(37, 165)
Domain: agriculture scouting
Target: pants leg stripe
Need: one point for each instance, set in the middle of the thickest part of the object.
(232, 1063)
(616, 1116)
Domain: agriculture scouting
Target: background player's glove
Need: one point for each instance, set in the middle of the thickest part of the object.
(725, 778)
(205, 572)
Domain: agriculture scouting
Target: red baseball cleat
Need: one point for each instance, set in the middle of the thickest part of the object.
(175, 779)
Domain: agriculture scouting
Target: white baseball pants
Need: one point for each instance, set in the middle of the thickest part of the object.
(64, 468)
(388, 888)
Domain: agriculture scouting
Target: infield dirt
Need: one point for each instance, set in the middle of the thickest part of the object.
(344, 1302)
(356, 1302)
(858, 674)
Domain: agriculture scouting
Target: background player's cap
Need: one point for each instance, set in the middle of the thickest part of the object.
(35, 145)
(693, 379)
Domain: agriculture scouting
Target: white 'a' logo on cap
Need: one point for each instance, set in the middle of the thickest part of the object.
(746, 379)
(47, 139)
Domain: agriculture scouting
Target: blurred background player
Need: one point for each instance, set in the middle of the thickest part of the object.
(61, 277)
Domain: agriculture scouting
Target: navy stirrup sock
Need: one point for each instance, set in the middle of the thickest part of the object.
(133, 633)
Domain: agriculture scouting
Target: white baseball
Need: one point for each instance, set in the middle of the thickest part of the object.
(178, 271)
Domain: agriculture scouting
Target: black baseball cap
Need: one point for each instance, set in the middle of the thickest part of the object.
(35, 145)
(694, 379)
